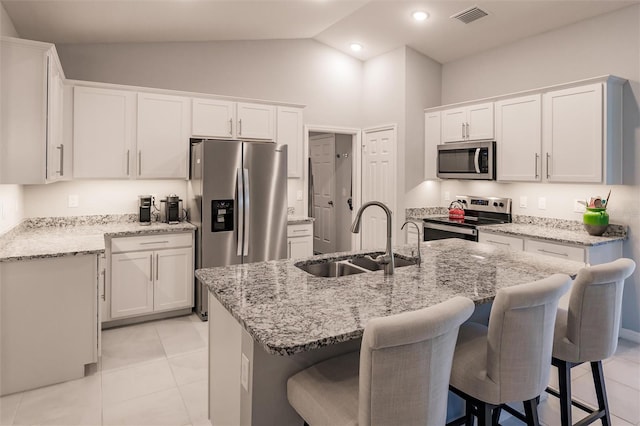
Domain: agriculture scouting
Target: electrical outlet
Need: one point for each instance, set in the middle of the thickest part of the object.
(542, 203)
(523, 202)
(1, 211)
(299, 195)
(578, 207)
(447, 196)
(244, 372)
(73, 200)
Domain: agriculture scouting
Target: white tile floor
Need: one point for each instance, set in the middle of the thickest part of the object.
(156, 374)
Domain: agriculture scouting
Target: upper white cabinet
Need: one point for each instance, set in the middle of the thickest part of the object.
(256, 121)
(519, 138)
(432, 140)
(213, 118)
(582, 133)
(103, 132)
(31, 82)
(468, 123)
(290, 132)
(164, 128)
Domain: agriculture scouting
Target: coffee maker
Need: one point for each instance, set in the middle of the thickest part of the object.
(171, 209)
(144, 209)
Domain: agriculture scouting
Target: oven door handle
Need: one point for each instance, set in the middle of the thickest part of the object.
(476, 160)
(448, 228)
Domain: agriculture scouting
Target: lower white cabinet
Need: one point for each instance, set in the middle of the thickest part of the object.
(150, 274)
(300, 240)
(514, 243)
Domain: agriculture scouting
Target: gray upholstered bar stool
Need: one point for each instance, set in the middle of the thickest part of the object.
(400, 376)
(588, 332)
(510, 360)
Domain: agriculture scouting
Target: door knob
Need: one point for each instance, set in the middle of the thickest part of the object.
(330, 203)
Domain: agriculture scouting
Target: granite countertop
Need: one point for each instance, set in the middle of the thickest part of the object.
(287, 310)
(55, 237)
(556, 235)
(298, 220)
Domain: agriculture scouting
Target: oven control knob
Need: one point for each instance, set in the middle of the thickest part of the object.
(463, 201)
(495, 204)
(501, 204)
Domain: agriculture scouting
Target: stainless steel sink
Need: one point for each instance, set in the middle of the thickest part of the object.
(332, 269)
(367, 263)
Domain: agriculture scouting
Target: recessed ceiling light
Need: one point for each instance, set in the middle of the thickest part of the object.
(420, 15)
(356, 47)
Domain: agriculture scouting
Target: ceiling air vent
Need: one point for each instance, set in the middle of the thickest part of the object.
(469, 15)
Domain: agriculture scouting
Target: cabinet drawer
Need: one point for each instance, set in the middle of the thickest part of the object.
(555, 250)
(301, 230)
(151, 242)
(513, 243)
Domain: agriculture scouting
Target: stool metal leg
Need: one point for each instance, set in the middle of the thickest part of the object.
(564, 382)
(484, 415)
(531, 412)
(601, 392)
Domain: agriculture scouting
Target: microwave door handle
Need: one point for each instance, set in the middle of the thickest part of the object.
(246, 212)
(476, 160)
(240, 220)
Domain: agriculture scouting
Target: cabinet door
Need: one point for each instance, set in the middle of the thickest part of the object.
(56, 167)
(519, 138)
(480, 122)
(290, 132)
(431, 142)
(103, 132)
(572, 134)
(212, 118)
(300, 247)
(504, 241)
(256, 121)
(453, 125)
(163, 136)
(131, 284)
(174, 282)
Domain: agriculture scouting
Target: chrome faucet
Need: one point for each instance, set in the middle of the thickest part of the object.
(387, 258)
(419, 258)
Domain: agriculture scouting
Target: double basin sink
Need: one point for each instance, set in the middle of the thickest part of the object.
(352, 265)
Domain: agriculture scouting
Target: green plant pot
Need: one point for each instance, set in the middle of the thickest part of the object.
(596, 220)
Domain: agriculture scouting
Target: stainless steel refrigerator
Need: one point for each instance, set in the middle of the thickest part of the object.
(237, 197)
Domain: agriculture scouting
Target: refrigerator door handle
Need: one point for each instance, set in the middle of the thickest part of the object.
(240, 220)
(246, 212)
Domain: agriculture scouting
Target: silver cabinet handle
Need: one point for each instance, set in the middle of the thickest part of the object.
(151, 267)
(536, 165)
(139, 162)
(548, 174)
(299, 230)
(552, 252)
(128, 161)
(153, 242)
(157, 265)
(467, 126)
(462, 130)
(240, 201)
(230, 126)
(240, 126)
(289, 249)
(104, 284)
(61, 148)
(498, 242)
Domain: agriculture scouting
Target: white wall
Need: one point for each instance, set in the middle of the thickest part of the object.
(307, 72)
(609, 44)
(11, 201)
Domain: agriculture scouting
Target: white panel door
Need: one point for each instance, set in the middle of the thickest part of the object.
(378, 184)
(212, 118)
(519, 138)
(480, 122)
(164, 127)
(322, 150)
(103, 133)
(173, 286)
(431, 142)
(256, 121)
(290, 132)
(131, 284)
(572, 134)
(453, 125)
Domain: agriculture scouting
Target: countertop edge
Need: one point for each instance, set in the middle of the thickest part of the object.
(605, 241)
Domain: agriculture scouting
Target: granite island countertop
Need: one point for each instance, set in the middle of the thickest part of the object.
(299, 220)
(55, 237)
(578, 237)
(287, 310)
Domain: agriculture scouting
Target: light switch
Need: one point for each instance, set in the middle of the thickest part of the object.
(523, 202)
(73, 200)
(1, 211)
(542, 203)
(447, 196)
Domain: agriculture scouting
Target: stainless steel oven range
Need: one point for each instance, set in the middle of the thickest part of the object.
(478, 211)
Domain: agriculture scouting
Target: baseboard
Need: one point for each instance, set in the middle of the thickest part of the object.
(631, 335)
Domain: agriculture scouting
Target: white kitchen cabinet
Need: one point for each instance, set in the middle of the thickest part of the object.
(164, 128)
(519, 138)
(212, 118)
(31, 82)
(300, 240)
(150, 274)
(49, 317)
(256, 121)
(104, 133)
(468, 123)
(290, 132)
(431, 141)
(504, 241)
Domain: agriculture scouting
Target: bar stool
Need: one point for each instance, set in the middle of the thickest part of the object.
(588, 332)
(508, 361)
(400, 376)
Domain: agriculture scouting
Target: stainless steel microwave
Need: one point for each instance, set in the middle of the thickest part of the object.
(467, 160)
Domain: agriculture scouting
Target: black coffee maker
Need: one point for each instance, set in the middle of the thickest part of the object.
(144, 208)
(171, 209)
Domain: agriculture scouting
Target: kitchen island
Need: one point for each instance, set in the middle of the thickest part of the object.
(269, 320)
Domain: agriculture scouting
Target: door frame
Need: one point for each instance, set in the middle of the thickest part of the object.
(394, 172)
(356, 172)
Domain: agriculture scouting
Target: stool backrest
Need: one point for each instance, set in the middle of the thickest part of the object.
(595, 304)
(405, 364)
(520, 336)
